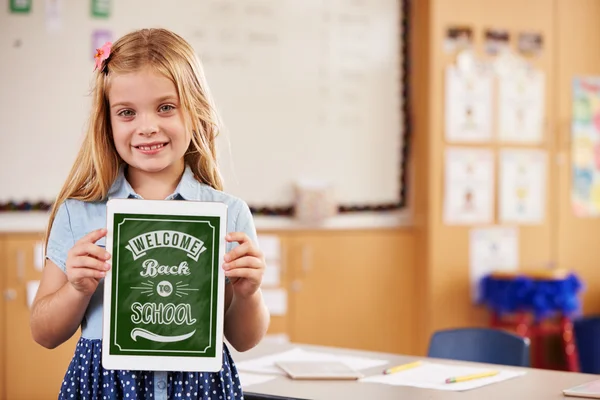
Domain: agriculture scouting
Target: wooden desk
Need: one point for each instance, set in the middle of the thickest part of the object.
(535, 384)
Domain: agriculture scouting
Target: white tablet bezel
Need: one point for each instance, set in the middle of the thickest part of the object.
(159, 362)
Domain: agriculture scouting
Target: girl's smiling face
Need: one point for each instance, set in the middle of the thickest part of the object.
(147, 121)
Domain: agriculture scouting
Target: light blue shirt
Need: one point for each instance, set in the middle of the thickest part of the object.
(75, 219)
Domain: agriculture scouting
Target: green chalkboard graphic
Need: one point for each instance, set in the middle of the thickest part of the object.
(164, 279)
(20, 6)
(101, 8)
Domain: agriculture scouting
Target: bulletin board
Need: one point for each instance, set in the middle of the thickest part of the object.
(454, 256)
(310, 90)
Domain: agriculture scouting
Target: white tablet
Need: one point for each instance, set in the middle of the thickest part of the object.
(319, 370)
(164, 295)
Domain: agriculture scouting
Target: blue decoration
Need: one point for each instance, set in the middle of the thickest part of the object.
(542, 297)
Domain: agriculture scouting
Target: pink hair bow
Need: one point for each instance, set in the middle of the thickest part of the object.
(102, 54)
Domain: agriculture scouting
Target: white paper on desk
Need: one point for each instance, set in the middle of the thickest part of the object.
(433, 376)
(266, 364)
(248, 379)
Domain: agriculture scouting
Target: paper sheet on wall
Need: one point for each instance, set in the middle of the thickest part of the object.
(272, 274)
(521, 107)
(276, 301)
(99, 38)
(20, 6)
(468, 186)
(468, 105)
(270, 245)
(32, 288)
(491, 249)
(38, 256)
(585, 147)
(433, 376)
(522, 186)
(101, 8)
(53, 15)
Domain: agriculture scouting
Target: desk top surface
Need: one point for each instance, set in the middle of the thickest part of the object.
(535, 384)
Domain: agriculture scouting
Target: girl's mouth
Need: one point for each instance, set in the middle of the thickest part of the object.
(151, 149)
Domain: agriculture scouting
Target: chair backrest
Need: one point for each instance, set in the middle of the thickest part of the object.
(480, 345)
(587, 340)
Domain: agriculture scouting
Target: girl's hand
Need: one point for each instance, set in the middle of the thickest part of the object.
(244, 265)
(86, 263)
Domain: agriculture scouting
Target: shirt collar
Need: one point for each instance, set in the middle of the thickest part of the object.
(187, 189)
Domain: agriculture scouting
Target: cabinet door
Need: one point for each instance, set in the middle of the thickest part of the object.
(353, 289)
(32, 372)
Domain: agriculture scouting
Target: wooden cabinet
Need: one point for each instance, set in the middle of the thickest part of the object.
(27, 370)
(351, 289)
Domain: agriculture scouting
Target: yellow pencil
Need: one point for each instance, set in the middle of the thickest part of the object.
(403, 367)
(471, 377)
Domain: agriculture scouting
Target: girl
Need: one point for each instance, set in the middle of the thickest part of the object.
(151, 135)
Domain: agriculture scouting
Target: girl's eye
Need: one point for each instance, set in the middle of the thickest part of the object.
(126, 113)
(166, 108)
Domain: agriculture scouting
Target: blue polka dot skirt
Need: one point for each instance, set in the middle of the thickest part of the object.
(87, 379)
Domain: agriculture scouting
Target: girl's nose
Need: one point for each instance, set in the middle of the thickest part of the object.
(148, 131)
(148, 126)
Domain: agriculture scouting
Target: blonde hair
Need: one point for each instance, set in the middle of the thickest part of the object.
(97, 164)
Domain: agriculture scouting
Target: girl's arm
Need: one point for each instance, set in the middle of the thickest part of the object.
(246, 320)
(63, 296)
(58, 308)
(246, 315)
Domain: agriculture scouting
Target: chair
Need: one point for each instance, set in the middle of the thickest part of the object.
(483, 345)
(587, 340)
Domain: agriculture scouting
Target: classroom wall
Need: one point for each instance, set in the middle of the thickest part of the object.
(437, 282)
(25, 38)
(325, 76)
(570, 29)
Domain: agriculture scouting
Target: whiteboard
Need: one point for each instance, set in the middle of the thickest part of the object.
(308, 90)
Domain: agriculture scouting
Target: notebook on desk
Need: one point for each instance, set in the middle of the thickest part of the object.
(315, 370)
(589, 390)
